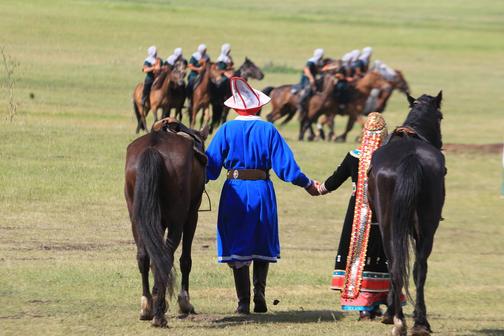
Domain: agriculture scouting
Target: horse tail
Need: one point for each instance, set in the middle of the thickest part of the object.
(137, 113)
(148, 213)
(406, 190)
(267, 90)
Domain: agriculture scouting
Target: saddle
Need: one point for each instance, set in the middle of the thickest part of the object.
(172, 125)
(406, 131)
(295, 88)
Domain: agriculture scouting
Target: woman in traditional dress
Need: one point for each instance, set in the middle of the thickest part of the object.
(247, 228)
(360, 272)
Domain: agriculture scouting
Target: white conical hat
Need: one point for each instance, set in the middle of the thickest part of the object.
(244, 97)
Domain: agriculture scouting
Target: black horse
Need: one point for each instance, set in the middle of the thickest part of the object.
(407, 191)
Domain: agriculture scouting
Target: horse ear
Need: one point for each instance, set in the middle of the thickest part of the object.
(204, 132)
(247, 59)
(438, 99)
(411, 100)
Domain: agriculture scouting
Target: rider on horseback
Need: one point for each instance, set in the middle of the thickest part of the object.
(386, 71)
(345, 75)
(225, 63)
(175, 57)
(151, 66)
(308, 79)
(361, 65)
(196, 64)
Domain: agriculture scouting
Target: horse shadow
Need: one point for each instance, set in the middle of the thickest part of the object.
(297, 316)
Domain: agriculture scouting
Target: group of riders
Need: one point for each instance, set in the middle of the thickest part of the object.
(353, 64)
(346, 71)
(154, 64)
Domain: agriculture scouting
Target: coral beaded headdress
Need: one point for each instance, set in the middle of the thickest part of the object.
(375, 130)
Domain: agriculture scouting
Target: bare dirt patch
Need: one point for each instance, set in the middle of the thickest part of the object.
(473, 148)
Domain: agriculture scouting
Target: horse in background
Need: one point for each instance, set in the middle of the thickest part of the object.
(378, 99)
(249, 70)
(407, 192)
(326, 103)
(164, 182)
(285, 98)
(201, 97)
(176, 95)
(159, 96)
(221, 92)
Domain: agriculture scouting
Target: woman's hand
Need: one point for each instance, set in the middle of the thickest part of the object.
(322, 189)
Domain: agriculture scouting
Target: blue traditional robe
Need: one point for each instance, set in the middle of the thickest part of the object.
(247, 227)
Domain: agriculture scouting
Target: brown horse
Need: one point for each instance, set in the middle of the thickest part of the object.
(159, 96)
(176, 95)
(202, 94)
(359, 91)
(377, 100)
(284, 102)
(285, 98)
(164, 183)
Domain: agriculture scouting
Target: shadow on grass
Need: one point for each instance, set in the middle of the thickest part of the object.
(490, 332)
(297, 316)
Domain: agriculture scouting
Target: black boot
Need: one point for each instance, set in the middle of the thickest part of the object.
(260, 274)
(242, 284)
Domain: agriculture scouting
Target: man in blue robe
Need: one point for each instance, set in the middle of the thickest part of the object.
(247, 228)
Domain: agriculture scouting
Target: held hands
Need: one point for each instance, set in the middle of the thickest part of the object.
(322, 189)
(312, 189)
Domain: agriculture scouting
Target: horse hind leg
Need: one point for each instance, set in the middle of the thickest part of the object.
(178, 114)
(349, 126)
(160, 306)
(205, 116)
(160, 287)
(184, 302)
(423, 248)
(146, 299)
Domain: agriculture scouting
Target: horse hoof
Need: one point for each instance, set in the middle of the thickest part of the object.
(185, 306)
(399, 331)
(159, 322)
(420, 330)
(399, 328)
(339, 139)
(146, 309)
(387, 319)
(145, 315)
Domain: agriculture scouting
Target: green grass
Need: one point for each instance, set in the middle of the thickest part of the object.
(67, 261)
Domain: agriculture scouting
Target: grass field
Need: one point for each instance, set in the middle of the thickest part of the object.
(67, 261)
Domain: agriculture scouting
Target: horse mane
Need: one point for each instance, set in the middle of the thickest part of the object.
(160, 78)
(424, 117)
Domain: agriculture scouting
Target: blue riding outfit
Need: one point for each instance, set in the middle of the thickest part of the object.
(247, 227)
